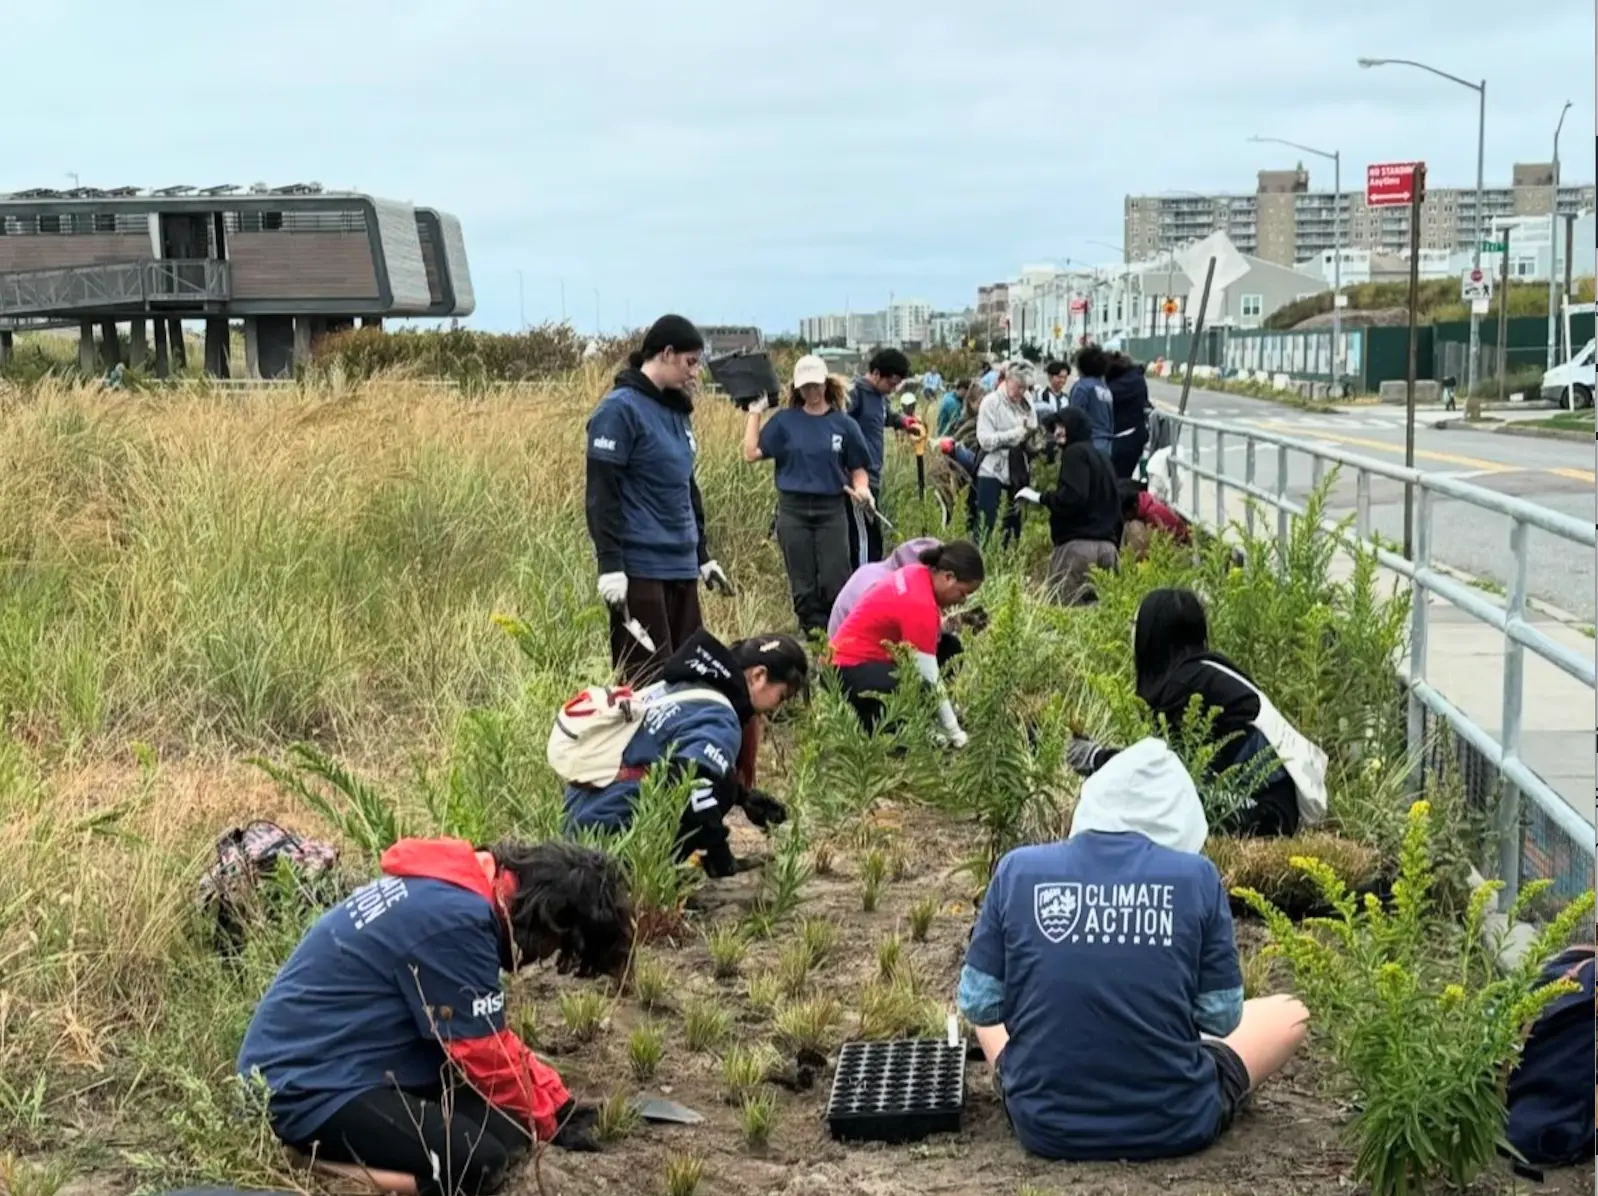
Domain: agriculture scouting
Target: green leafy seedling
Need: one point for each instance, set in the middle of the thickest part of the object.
(618, 1118)
(922, 914)
(758, 1117)
(584, 1014)
(727, 947)
(682, 1175)
(645, 1045)
(705, 1025)
(652, 983)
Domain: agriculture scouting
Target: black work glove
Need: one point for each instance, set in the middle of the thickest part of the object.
(763, 810)
(577, 1128)
(1086, 757)
(707, 836)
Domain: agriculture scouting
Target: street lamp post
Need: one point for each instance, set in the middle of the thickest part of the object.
(1336, 157)
(1553, 244)
(1473, 365)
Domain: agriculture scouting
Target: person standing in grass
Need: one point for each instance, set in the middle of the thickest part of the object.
(1004, 422)
(1129, 400)
(906, 607)
(871, 406)
(382, 1042)
(645, 515)
(697, 719)
(819, 454)
(951, 408)
(1104, 984)
(1091, 395)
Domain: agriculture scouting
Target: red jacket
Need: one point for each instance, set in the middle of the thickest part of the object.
(500, 1066)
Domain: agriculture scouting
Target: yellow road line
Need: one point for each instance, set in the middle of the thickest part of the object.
(1397, 449)
(1475, 463)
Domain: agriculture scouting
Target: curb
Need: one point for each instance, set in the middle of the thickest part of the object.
(1547, 433)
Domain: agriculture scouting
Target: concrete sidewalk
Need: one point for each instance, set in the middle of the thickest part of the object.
(1465, 663)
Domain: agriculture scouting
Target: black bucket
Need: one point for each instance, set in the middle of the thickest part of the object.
(745, 376)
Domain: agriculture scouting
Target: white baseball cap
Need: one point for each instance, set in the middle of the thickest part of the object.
(808, 369)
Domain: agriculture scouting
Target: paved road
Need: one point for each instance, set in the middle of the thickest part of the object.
(1553, 473)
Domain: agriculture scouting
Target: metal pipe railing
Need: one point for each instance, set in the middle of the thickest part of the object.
(1516, 779)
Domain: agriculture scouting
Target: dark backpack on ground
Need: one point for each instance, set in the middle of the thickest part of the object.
(1551, 1090)
(241, 882)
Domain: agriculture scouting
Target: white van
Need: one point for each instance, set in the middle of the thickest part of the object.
(1571, 382)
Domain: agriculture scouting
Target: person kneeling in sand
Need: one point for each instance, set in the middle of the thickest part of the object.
(1103, 978)
(382, 1041)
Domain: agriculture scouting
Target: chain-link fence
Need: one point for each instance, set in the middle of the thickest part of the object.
(1546, 851)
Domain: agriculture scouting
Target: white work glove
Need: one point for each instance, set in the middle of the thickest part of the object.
(715, 577)
(613, 588)
(1027, 494)
(958, 739)
(759, 406)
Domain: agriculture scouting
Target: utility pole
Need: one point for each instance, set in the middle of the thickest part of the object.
(1473, 364)
(1417, 190)
(1503, 317)
(1553, 247)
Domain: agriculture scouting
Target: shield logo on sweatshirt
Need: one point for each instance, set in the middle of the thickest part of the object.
(1057, 908)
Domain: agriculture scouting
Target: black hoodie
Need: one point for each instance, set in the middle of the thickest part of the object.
(606, 517)
(1238, 704)
(1086, 502)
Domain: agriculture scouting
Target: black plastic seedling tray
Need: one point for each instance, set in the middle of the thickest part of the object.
(745, 376)
(897, 1091)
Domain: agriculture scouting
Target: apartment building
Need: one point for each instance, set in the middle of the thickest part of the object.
(824, 330)
(1284, 221)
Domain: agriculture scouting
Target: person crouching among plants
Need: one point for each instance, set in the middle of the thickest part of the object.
(382, 1041)
(864, 578)
(710, 696)
(905, 607)
(1084, 510)
(1283, 772)
(1103, 978)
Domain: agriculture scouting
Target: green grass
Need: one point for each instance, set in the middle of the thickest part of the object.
(1564, 421)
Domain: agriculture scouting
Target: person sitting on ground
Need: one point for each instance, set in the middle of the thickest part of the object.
(696, 718)
(1091, 394)
(1143, 515)
(905, 607)
(382, 1041)
(1174, 661)
(1084, 510)
(865, 577)
(1103, 978)
(1130, 407)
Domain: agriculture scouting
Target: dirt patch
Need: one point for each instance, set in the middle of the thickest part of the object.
(1288, 1142)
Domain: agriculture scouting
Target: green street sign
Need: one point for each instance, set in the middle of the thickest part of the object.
(1492, 246)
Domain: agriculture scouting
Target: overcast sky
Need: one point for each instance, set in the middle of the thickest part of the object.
(753, 161)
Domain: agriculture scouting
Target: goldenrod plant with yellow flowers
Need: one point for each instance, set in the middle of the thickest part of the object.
(1412, 1006)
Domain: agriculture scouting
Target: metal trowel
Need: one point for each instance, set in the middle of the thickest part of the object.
(661, 1111)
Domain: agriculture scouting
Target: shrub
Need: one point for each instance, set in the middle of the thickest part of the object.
(1422, 1027)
